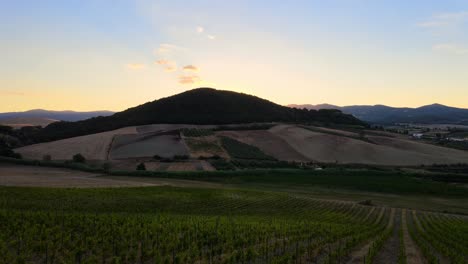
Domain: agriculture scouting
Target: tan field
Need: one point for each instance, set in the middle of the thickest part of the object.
(92, 147)
(268, 142)
(147, 145)
(29, 176)
(284, 142)
(383, 151)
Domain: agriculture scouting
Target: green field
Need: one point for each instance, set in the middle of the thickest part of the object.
(270, 216)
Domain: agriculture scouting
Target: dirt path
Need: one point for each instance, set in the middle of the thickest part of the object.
(360, 254)
(31, 176)
(413, 255)
(389, 252)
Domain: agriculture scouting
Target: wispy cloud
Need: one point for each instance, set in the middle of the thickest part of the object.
(189, 79)
(451, 48)
(445, 20)
(136, 66)
(166, 48)
(191, 68)
(212, 37)
(169, 66)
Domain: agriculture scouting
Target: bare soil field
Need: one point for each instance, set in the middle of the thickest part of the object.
(29, 176)
(196, 165)
(386, 151)
(205, 147)
(268, 142)
(92, 147)
(147, 145)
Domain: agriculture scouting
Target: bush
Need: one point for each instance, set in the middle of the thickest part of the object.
(47, 157)
(106, 166)
(157, 157)
(7, 152)
(78, 158)
(181, 157)
(141, 167)
(366, 202)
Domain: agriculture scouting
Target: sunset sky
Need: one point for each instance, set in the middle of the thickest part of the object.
(112, 55)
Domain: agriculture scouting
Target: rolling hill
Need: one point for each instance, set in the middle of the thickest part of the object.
(202, 106)
(18, 122)
(382, 114)
(41, 114)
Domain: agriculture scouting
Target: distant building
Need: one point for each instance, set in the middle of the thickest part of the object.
(457, 139)
(417, 135)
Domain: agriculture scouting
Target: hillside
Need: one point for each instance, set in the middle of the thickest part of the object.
(382, 114)
(198, 106)
(18, 122)
(70, 116)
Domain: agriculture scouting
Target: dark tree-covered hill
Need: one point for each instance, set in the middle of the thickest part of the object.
(198, 106)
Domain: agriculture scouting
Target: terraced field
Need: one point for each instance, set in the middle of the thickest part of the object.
(183, 225)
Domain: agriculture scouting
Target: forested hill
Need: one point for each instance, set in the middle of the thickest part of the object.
(198, 106)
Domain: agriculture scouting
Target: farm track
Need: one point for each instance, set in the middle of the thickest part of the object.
(413, 254)
(359, 256)
(392, 245)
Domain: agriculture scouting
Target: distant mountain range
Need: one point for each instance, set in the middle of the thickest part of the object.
(40, 117)
(381, 114)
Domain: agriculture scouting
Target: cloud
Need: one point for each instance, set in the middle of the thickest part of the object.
(166, 48)
(136, 66)
(200, 29)
(169, 66)
(211, 37)
(451, 48)
(189, 79)
(164, 62)
(170, 69)
(445, 20)
(191, 68)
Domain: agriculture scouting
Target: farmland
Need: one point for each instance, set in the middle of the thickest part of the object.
(186, 225)
(287, 216)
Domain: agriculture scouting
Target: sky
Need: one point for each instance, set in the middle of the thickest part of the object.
(111, 55)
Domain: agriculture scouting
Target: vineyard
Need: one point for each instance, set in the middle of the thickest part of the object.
(183, 225)
(197, 132)
(239, 150)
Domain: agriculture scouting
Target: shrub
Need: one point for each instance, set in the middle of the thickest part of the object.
(141, 167)
(366, 202)
(157, 157)
(106, 166)
(78, 158)
(181, 157)
(7, 152)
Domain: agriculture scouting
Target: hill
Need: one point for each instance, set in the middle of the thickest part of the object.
(381, 114)
(54, 115)
(199, 106)
(18, 122)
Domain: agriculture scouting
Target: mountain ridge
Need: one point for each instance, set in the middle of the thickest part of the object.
(382, 114)
(61, 115)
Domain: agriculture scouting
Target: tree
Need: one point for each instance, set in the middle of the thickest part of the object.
(79, 158)
(106, 166)
(141, 167)
(47, 157)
